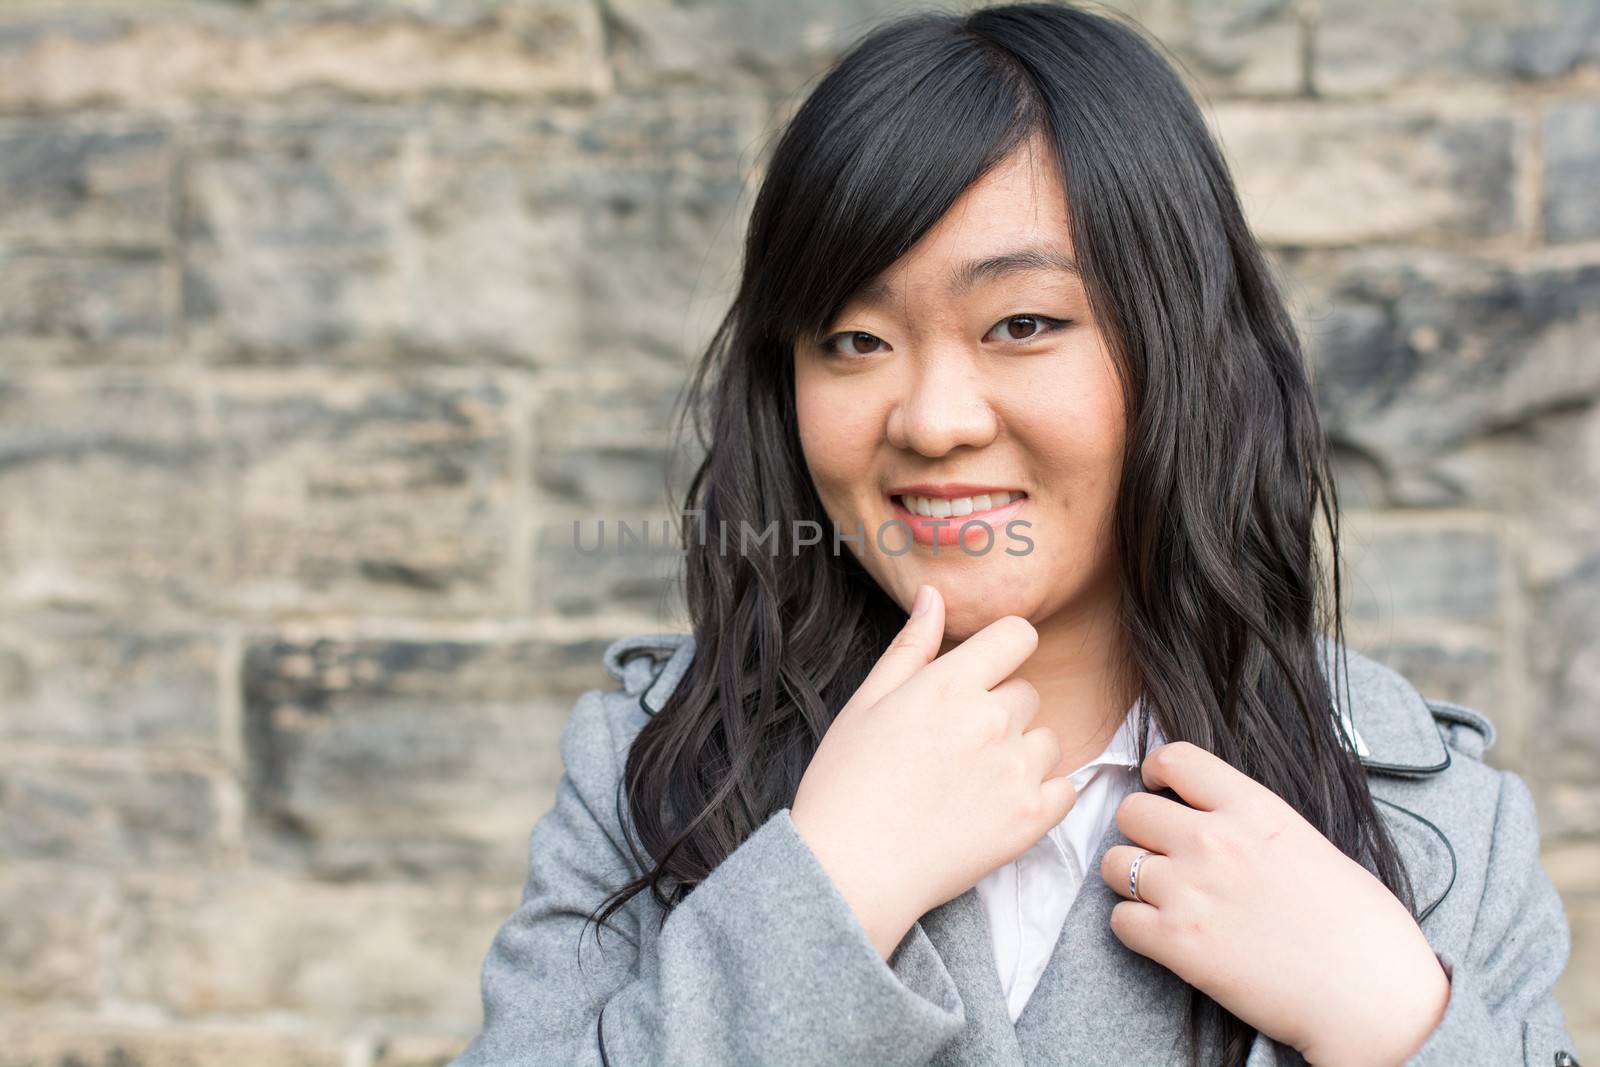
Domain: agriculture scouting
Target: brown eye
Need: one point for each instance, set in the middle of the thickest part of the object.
(1029, 327)
(859, 345)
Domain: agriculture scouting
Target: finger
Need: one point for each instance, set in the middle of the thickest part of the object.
(1138, 926)
(913, 648)
(1203, 779)
(991, 655)
(1043, 746)
(1021, 700)
(1155, 872)
(1157, 823)
(1059, 793)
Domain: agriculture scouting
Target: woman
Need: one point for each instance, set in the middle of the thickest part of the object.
(1096, 799)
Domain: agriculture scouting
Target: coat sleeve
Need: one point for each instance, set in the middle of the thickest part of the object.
(763, 963)
(1502, 1007)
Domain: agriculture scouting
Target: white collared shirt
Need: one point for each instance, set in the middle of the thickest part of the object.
(1027, 899)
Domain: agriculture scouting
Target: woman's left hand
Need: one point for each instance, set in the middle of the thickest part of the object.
(1242, 898)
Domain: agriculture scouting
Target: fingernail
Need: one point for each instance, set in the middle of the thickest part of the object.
(919, 606)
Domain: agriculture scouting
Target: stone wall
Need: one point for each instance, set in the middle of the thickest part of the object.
(314, 320)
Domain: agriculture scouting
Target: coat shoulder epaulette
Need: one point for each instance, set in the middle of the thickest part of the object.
(648, 665)
(1463, 729)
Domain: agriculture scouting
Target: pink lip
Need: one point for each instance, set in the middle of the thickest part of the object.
(949, 490)
(927, 529)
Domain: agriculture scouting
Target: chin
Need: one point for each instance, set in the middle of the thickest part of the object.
(966, 614)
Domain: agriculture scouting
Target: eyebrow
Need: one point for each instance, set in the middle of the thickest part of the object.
(965, 276)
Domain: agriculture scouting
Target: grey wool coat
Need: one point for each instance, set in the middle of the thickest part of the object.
(765, 963)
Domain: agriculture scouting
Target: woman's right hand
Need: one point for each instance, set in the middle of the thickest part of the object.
(926, 781)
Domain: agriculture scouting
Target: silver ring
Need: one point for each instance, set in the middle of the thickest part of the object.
(1133, 876)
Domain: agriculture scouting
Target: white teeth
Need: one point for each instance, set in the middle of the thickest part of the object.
(944, 508)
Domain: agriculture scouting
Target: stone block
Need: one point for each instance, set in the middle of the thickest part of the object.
(1578, 991)
(605, 237)
(1562, 650)
(162, 55)
(610, 561)
(612, 444)
(93, 184)
(1416, 352)
(1409, 574)
(1241, 47)
(732, 44)
(1463, 672)
(242, 945)
(112, 498)
(467, 235)
(406, 758)
(52, 1041)
(108, 684)
(1371, 46)
(418, 1050)
(83, 307)
(1322, 174)
(293, 233)
(1543, 468)
(1570, 141)
(361, 494)
(51, 941)
(110, 816)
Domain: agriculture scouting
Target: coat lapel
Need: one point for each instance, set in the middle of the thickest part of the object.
(959, 932)
(1096, 997)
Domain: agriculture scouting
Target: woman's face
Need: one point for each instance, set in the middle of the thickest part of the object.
(961, 380)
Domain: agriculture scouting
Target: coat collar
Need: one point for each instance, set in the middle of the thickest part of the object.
(1395, 722)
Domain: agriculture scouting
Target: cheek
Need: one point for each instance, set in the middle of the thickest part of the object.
(1071, 421)
(835, 428)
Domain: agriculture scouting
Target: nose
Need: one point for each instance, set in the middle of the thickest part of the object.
(944, 406)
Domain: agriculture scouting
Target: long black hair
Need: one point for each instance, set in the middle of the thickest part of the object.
(1225, 597)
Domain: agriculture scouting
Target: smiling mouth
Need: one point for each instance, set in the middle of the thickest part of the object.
(978, 504)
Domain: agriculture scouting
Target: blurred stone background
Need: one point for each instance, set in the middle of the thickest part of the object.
(316, 321)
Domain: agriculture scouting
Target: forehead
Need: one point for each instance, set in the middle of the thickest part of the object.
(1011, 221)
(966, 275)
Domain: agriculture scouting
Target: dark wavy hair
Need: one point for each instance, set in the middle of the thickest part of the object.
(1224, 599)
